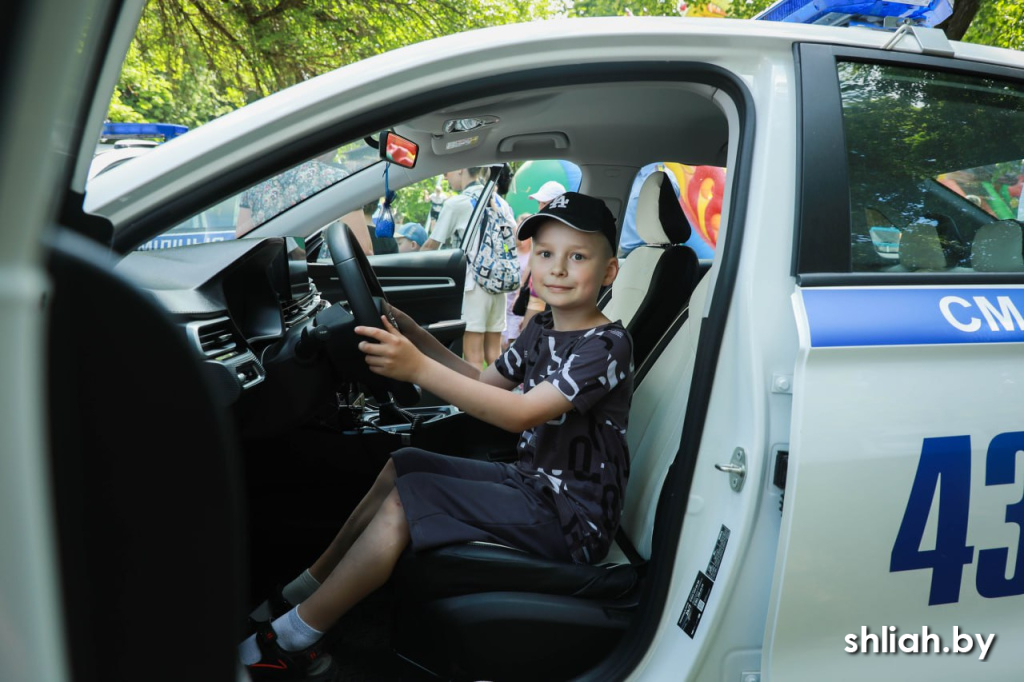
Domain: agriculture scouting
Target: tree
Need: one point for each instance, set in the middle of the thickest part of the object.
(193, 60)
(612, 8)
(956, 24)
(999, 23)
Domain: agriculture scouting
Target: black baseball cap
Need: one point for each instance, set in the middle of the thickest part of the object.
(578, 211)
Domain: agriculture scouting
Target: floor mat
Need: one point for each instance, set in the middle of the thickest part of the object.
(361, 644)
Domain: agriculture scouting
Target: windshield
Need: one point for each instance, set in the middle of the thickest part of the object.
(244, 212)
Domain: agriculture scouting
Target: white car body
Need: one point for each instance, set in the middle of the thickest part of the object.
(854, 414)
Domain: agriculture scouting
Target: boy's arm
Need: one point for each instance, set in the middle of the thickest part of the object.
(395, 356)
(432, 348)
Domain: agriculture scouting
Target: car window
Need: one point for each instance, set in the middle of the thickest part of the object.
(444, 206)
(404, 223)
(242, 213)
(936, 165)
(700, 190)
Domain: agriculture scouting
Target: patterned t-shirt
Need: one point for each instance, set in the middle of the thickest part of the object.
(582, 455)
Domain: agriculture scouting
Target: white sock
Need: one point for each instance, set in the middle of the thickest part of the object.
(249, 651)
(293, 634)
(298, 590)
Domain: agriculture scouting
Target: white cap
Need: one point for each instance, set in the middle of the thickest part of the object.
(548, 191)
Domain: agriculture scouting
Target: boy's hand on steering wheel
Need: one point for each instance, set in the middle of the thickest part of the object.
(389, 353)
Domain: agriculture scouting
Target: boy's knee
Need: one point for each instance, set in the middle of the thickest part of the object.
(392, 507)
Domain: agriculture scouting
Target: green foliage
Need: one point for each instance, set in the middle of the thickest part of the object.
(740, 9)
(999, 23)
(412, 201)
(614, 8)
(194, 60)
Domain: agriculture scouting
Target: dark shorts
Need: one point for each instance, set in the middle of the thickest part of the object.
(453, 500)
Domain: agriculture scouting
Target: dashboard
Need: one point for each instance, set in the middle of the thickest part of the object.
(235, 301)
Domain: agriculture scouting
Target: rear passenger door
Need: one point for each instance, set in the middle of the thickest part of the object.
(903, 513)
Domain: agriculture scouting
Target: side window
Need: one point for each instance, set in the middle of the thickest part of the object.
(700, 190)
(236, 216)
(537, 181)
(936, 165)
(519, 189)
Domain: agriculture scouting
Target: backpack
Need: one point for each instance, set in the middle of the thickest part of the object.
(495, 264)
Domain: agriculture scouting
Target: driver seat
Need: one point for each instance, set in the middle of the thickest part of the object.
(458, 607)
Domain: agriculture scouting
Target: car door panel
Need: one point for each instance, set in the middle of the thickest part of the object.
(902, 496)
(427, 285)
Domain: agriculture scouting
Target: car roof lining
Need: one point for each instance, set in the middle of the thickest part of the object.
(631, 129)
(609, 149)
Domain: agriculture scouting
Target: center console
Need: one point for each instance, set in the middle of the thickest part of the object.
(444, 429)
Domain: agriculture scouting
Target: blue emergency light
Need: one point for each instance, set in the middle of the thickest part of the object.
(163, 131)
(873, 14)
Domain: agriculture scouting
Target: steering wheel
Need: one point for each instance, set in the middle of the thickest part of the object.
(361, 288)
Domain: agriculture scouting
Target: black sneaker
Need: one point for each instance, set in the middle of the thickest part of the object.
(308, 665)
(273, 607)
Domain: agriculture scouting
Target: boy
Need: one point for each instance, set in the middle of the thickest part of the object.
(410, 237)
(562, 499)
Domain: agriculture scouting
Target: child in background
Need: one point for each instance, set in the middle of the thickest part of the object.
(410, 237)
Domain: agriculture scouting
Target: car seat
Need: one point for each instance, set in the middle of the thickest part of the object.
(458, 607)
(921, 249)
(932, 244)
(655, 281)
(997, 247)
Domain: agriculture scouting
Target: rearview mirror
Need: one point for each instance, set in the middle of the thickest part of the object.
(398, 150)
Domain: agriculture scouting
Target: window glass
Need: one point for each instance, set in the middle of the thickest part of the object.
(430, 214)
(936, 165)
(444, 205)
(700, 190)
(237, 216)
(383, 224)
(460, 193)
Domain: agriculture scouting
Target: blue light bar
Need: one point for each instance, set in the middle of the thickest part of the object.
(872, 13)
(164, 131)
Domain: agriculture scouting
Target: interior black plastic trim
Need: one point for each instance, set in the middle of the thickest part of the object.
(823, 197)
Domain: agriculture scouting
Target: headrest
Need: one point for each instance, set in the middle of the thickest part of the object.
(659, 215)
(997, 247)
(921, 249)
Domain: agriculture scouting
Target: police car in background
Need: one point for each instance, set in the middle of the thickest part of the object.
(826, 431)
(121, 142)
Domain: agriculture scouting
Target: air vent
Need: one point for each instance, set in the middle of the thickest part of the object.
(217, 340)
